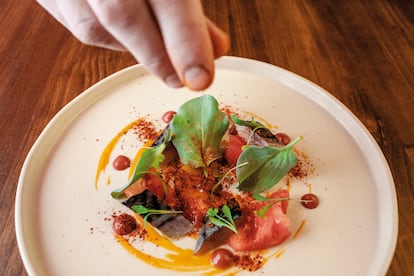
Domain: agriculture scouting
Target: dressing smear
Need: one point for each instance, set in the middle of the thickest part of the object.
(178, 259)
(104, 160)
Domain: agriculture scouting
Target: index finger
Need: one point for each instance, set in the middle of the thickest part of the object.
(187, 40)
(132, 23)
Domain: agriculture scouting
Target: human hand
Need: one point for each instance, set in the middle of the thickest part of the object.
(170, 38)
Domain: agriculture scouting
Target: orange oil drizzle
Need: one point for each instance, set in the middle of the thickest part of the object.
(179, 259)
(175, 261)
(288, 186)
(223, 272)
(104, 159)
(300, 229)
(279, 253)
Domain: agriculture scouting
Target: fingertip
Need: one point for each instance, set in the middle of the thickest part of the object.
(173, 81)
(197, 78)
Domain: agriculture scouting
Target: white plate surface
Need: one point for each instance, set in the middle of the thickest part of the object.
(60, 216)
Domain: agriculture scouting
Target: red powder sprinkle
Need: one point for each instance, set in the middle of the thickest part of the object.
(145, 130)
(303, 168)
(249, 262)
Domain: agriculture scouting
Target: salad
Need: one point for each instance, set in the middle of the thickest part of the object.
(211, 176)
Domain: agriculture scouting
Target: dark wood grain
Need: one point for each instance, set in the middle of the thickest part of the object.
(360, 51)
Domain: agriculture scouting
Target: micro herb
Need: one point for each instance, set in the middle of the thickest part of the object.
(226, 221)
(225, 175)
(151, 158)
(266, 166)
(262, 211)
(141, 210)
(254, 125)
(197, 129)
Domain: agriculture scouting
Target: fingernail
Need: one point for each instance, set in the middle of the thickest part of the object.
(197, 78)
(173, 81)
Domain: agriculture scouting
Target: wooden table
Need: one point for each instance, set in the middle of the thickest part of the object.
(360, 51)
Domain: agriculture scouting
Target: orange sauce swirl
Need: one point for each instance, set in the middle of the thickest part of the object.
(177, 258)
(106, 153)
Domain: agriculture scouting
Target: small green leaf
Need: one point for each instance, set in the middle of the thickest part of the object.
(216, 219)
(212, 212)
(198, 128)
(259, 197)
(266, 166)
(252, 124)
(262, 211)
(227, 212)
(142, 210)
(151, 158)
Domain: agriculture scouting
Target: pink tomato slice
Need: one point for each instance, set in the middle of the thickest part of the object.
(257, 233)
(234, 150)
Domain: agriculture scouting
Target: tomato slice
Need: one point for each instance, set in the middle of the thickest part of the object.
(234, 150)
(257, 233)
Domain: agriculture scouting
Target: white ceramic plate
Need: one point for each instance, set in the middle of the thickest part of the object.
(60, 216)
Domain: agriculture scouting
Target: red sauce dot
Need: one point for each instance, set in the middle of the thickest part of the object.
(283, 138)
(310, 201)
(222, 258)
(121, 162)
(124, 224)
(168, 116)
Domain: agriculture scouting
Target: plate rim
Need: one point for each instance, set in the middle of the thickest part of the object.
(290, 79)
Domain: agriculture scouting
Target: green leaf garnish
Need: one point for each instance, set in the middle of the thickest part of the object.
(259, 197)
(151, 158)
(252, 124)
(142, 210)
(262, 211)
(266, 166)
(198, 128)
(216, 219)
(225, 175)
